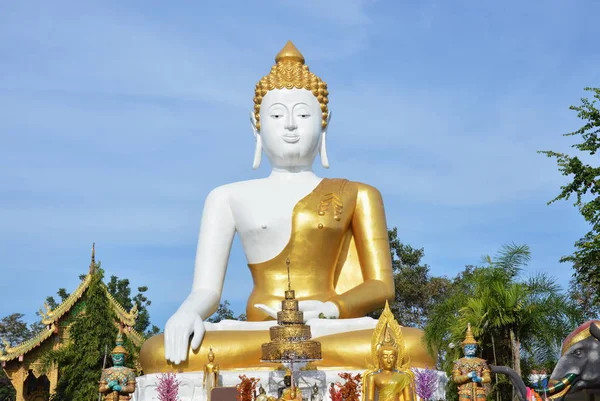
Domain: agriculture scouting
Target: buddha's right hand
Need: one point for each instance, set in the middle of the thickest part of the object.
(178, 330)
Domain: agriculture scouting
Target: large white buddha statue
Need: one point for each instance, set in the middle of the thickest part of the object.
(332, 230)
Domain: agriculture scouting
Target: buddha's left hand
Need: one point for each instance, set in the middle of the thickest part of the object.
(312, 309)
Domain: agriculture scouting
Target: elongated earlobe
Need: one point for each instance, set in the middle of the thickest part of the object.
(258, 147)
(257, 152)
(323, 150)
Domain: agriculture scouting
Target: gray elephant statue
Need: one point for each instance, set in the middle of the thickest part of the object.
(577, 373)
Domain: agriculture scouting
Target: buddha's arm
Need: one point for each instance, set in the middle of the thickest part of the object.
(372, 244)
(217, 230)
(369, 388)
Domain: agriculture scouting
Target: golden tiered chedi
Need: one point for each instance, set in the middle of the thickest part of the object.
(290, 339)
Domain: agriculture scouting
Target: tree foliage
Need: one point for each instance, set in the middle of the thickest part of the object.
(80, 360)
(585, 186)
(121, 291)
(224, 312)
(518, 322)
(417, 292)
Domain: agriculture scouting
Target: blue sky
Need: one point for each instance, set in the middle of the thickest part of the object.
(117, 118)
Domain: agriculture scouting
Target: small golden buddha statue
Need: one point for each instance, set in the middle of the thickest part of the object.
(471, 374)
(211, 374)
(390, 377)
(262, 395)
(333, 229)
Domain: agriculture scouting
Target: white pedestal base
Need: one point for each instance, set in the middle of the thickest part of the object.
(190, 387)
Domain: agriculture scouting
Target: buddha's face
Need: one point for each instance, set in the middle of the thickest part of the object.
(387, 359)
(118, 359)
(211, 357)
(470, 349)
(290, 127)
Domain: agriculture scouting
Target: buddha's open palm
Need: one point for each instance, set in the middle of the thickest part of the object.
(312, 309)
(178, 330)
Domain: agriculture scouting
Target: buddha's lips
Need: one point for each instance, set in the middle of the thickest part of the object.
(291, 138)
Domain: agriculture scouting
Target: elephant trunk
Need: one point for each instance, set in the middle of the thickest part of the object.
(559, 388)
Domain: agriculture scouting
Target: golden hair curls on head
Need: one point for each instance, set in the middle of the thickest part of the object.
(290, 72)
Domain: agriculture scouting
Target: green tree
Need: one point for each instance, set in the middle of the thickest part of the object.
(417, 292)
(582, 295)
(225, 312)
(91, 333)
(515, 320)
(585, 186)
(7, 391)
(120, 289)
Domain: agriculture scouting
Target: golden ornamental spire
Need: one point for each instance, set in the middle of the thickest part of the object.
(469, 339)
(289, 52)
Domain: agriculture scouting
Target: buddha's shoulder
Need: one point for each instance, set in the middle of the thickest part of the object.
(360, 189)
(237, 188)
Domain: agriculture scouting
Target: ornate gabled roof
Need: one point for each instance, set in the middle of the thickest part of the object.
(127, 318)
(135, 337)
(10, 353)
(51, 316)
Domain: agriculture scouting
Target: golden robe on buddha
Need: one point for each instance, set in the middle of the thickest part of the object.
(340, 247)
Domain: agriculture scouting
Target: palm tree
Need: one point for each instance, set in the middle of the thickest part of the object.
(509, 316)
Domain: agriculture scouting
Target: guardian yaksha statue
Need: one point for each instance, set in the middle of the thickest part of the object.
(118, 382)
(471, 374)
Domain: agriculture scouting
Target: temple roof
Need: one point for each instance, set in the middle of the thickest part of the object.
(51, 317)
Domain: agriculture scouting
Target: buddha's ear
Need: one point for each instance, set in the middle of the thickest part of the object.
(258, 147)
(253, 123)
(323, 150)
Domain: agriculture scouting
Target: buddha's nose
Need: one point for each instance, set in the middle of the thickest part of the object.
(290, 124)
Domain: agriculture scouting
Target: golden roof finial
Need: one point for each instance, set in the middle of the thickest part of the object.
(289, 52)
(469, 339)
(93, 261)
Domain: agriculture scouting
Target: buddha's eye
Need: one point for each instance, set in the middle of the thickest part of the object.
(276, 116)
(303, 115)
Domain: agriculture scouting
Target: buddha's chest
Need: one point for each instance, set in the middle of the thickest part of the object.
(264, 213)
(383, 380)
(266, 217)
